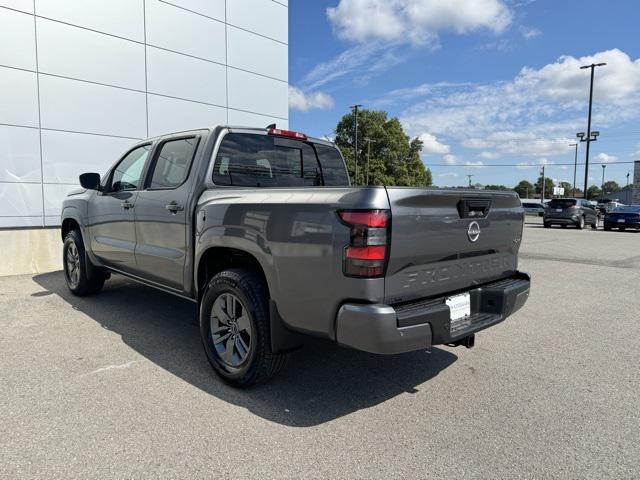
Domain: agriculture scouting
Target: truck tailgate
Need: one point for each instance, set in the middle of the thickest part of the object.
(443, 241)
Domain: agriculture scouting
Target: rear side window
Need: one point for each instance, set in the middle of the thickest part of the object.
(265, 161)
(173, 163)
(333, 170)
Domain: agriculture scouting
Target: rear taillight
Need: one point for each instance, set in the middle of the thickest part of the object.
(366, 254)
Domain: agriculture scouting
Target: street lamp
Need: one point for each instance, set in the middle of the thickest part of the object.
(575, 167)
(603, 167)
(628, 173)
(589, 135)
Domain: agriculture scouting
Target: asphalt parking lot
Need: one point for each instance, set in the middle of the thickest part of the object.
(117, 386)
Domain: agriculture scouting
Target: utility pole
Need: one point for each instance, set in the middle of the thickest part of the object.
(470, 177)
(355, 108)
(628, 173)
(588, 139)
(368, 140)
(603, 167)
(575, 168)
(542, 189)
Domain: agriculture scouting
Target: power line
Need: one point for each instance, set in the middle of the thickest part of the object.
(525, 165)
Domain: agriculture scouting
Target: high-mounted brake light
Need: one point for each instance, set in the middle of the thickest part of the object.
(278, 132)
(366, 254)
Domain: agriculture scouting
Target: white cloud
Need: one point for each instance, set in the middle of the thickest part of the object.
(430, 144)
(537, 112)
(606, 158)
(529, 32)
(450, 159)
(305, 101)
(448, 175)
(489, 155)
(477, 164)
(416, 21)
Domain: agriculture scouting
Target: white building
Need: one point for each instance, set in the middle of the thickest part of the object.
(81, 80)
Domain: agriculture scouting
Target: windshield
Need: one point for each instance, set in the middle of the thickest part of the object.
(562, 203)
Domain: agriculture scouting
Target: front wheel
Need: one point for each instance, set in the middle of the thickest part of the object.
(235, 330)
(581, 223)
(76, 273)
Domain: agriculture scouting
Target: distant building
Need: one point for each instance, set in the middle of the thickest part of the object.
(80, 81)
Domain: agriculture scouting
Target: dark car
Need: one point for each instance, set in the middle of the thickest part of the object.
(623, 218)
(570, 211)
(531, 208)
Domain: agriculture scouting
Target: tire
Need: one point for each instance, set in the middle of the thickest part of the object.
(74, 261)
(564, 225)
(581, 223)
(622, 229)
(595, 225)
(547, 225)
(235, 329)
(608, 229)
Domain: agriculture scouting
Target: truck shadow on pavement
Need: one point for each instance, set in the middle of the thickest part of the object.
(322, 381)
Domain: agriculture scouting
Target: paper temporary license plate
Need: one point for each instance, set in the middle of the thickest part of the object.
(460, 306)
(558, 209)
(621, 220)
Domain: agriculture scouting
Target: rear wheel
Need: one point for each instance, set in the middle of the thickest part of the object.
(595, 225)
(622, 229)
(547, 225)
(76, 272)
(581, 223)
(235, 330)
(607, 228)
(564, 225)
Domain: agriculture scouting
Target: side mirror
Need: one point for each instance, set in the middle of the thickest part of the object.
(90, 181)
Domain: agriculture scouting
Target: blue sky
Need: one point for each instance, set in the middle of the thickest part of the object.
(482, 82)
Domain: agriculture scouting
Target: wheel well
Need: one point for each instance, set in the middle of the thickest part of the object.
(69, 224)
(217, 259)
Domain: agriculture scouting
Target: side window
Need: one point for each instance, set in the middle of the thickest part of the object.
(173, 163)
(127, 174)
(334, 171)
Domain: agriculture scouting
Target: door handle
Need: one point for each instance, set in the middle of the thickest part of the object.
(173, 207)
(127, 205)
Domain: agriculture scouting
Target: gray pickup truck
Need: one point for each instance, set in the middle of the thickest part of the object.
(262, 229)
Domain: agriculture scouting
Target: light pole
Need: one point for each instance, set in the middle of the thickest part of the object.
(628, 173)
(470, 177)
(589, 133)
(603, 167)
(355, 143)
(542, 187)
(575, 168)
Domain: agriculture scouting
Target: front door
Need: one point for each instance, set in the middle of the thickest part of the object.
(161, 213)
(111, 212)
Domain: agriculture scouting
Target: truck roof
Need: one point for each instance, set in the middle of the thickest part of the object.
(242, 128)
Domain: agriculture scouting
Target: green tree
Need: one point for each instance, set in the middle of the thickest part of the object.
(496, 187)
(548, 187)
(593, 191)
(611, 186)
(394, 158)
(524, 189)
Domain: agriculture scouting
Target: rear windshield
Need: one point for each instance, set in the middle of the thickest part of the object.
(532, 205)
(562, 203)
(250, 160)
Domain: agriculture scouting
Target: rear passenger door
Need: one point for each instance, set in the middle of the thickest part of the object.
(161, 215)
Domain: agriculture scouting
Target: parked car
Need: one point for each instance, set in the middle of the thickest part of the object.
(263, 231)
(606, 205)
(623, 218)
(570, 211)
(531, 208)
